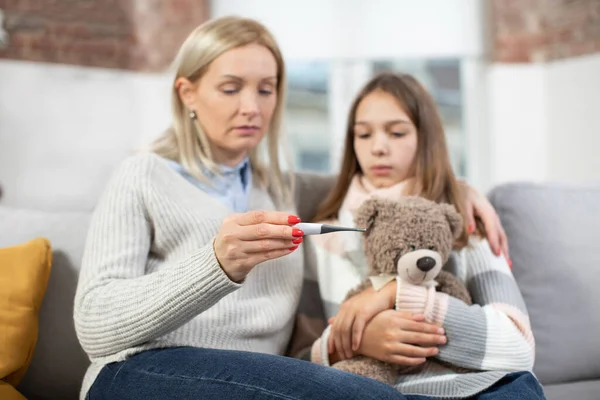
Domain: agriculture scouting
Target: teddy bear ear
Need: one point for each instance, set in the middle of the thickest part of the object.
(454, 219)
(367, 214)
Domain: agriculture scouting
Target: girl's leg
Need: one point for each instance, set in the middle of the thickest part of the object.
(515, 386)
(192, 373)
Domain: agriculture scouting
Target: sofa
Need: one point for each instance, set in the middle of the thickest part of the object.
(553, 232)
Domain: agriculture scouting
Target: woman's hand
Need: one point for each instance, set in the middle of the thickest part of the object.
(478, 204)
(354, 314)
(401, 338)
(251, 238)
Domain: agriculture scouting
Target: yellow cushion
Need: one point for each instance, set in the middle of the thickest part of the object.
(7, 392)
(24, 273)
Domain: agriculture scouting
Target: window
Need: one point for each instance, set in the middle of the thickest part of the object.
(320, 93)
(306, 121)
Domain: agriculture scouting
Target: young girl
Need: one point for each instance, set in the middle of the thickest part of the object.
(395, 146)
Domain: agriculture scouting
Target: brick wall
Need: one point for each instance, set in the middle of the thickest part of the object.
(544, 30)
(141, 35)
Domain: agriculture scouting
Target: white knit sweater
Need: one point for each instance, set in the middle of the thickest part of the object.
(150, 277)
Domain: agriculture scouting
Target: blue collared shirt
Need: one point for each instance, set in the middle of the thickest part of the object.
(232, 186)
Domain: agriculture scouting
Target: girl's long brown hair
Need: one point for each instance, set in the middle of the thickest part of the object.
(433, 171)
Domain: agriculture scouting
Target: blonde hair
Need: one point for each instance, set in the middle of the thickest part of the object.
(185, 142)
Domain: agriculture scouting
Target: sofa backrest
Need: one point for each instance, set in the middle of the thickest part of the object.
(310, 191)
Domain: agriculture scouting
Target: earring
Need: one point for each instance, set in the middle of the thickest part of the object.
(192, 114)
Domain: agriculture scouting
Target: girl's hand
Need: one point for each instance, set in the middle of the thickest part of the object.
(401, 338)
(354, 314)
(251, 238)
(478, 204)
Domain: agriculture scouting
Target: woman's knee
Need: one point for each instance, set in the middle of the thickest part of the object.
(221, 373)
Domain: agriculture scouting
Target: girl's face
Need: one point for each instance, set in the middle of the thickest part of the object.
(234, 100)
(385, 140)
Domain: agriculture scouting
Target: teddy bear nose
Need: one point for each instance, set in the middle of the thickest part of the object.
(425, 264)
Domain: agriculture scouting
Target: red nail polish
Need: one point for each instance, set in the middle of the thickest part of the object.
(297, 241)
(471, 229)
(510, 263)
(293, 220)
(293, 248)
(297, 233)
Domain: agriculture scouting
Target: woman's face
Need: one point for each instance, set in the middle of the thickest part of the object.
(234, 100)
(385, 140)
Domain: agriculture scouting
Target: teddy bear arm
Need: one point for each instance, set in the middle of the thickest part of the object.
(358, 289)
(452, 286)
(370, 368)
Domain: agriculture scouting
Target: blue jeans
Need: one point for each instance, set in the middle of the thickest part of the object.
(184, 373)
(514, 386)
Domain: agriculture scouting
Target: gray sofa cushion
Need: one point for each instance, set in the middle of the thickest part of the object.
(554, 236)
(310, 191)
(59, 362)
(585, 390)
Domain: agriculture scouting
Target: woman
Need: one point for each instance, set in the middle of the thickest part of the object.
(190, 278)
(395, 146)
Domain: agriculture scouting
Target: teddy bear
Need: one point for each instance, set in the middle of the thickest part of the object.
(409, 239)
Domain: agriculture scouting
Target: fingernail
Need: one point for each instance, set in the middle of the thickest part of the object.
(297, 241)
(441, 331)
(435, 351)
(510, 262)
(293, 220)
(297, 233)
(293, 248)
(471, 229)
(498, 252)
(442, 340)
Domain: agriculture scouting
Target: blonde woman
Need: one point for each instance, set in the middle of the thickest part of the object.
(190, 279)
